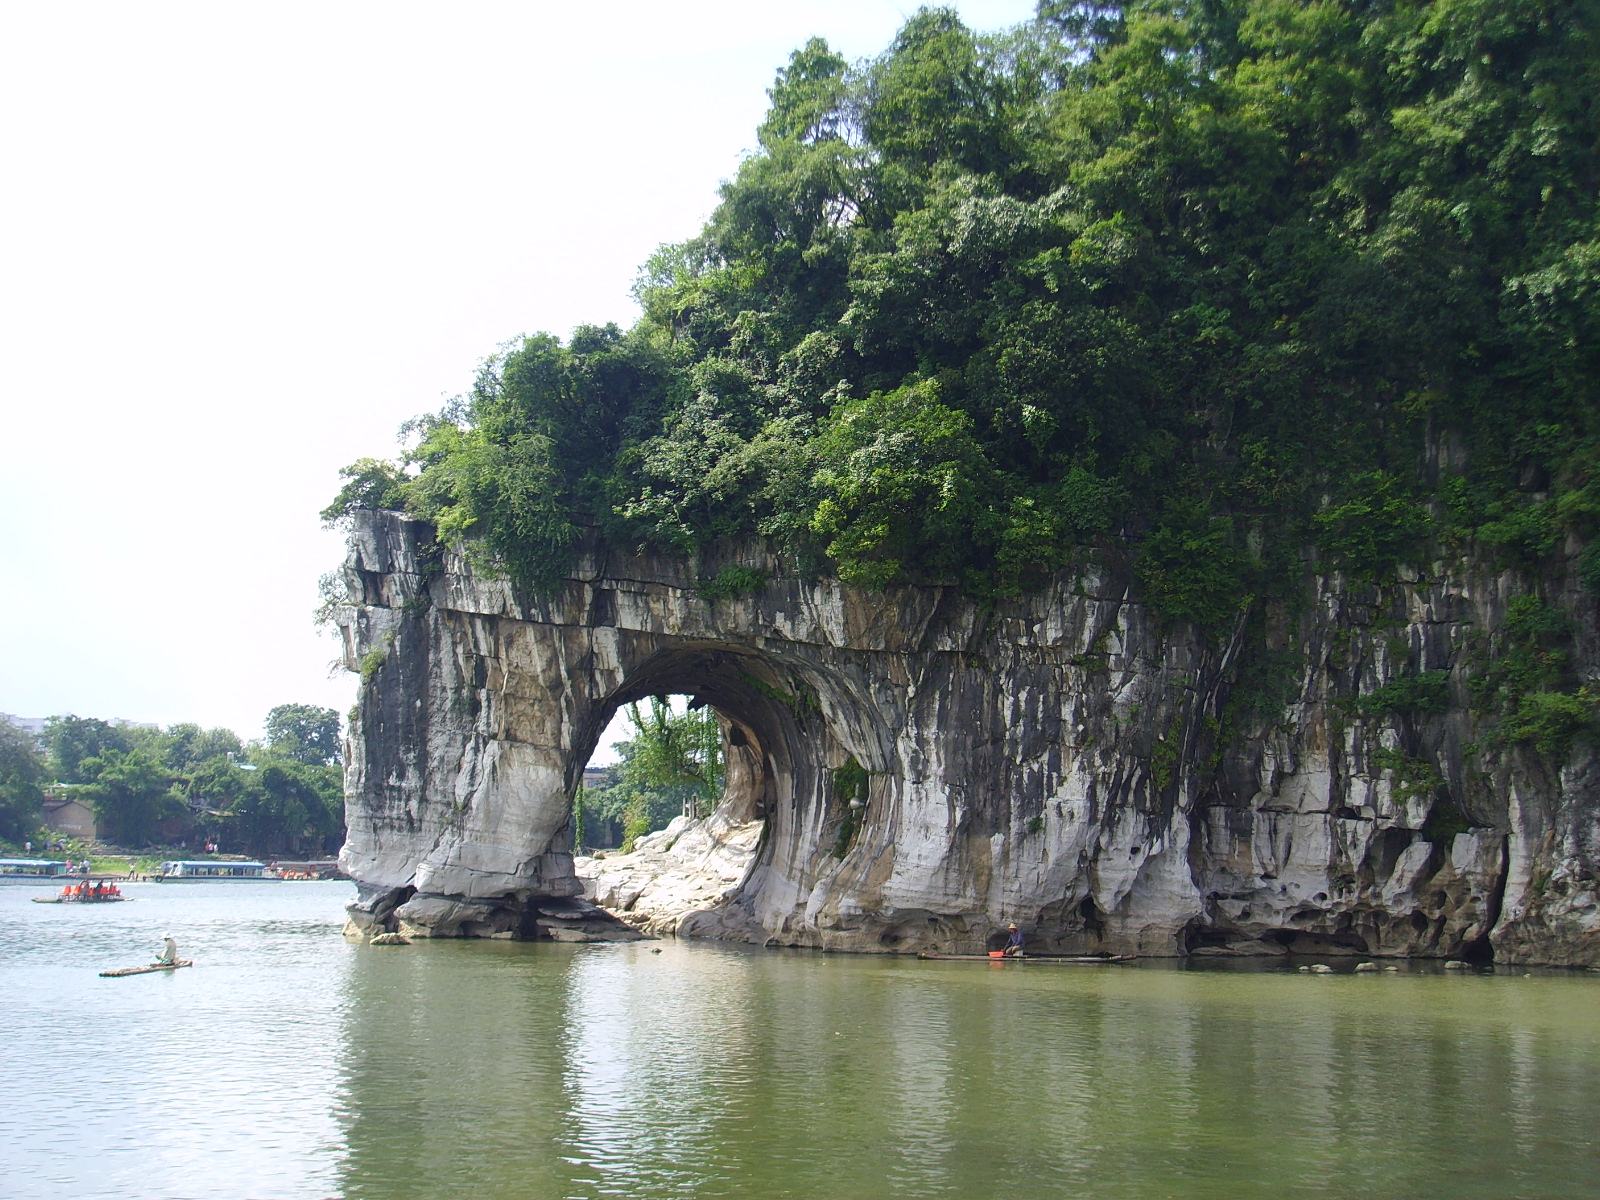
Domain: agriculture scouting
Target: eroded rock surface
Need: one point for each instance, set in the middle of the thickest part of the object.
(688, 871)
(1058, 761)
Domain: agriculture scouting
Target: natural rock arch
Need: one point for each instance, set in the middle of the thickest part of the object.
(471, 694)
(1054, 760)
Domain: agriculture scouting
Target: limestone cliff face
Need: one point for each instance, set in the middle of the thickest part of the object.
(1058, 761)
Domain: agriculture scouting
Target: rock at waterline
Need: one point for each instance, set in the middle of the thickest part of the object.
(1455, 965)
(390, 939)
(1364, 967)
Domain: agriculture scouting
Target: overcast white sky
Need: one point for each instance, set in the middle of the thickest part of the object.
(240, 243)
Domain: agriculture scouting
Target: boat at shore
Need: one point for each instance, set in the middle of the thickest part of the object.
(1085, 960)
(307, 870)
(209, 870)
(35, 870)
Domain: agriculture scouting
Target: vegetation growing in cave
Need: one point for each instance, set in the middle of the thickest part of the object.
(671, 765)
(1181, 288)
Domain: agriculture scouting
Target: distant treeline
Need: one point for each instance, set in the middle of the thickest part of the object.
(150, 786)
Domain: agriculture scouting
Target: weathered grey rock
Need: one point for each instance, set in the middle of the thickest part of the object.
(561, 919)
(1321, 969)
(1366, 967)
(443, 916)
(1057, 760)
(389, 939)
(687, 872)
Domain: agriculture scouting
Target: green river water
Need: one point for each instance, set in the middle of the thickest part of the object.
(288, 1063)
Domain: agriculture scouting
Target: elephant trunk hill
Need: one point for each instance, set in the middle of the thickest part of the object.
(930, 768)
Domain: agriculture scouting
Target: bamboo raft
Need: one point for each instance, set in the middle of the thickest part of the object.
(121, 971)
(78, 900)
(1059, 959)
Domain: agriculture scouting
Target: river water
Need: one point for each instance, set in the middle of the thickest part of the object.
(288, 1063)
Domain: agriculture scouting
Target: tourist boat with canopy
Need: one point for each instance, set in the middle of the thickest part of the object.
(211, 870)
(34, 870)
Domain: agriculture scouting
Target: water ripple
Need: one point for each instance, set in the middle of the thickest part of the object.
(288, 1063)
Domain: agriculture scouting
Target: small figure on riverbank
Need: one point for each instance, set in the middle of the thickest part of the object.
(169, 951)
(1013, 941)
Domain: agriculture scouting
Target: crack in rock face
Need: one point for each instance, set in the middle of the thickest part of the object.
(1056, 760)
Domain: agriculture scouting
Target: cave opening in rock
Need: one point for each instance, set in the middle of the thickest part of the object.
(714, 742)
(660, 758)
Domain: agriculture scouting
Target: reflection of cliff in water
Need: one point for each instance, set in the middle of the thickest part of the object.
(452, 1062)
(516, 1070)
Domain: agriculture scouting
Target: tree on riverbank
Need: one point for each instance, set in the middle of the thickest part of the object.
(152, 786)
(22, 773)
(305, 733)
(74, 740)
(132, 795)
(271, 805)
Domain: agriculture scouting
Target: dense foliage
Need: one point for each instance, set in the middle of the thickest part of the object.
(304, 733)
(1188, 289)
(21, 774)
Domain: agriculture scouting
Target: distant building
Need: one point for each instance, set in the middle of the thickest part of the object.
(599, 777)
(65, 813)
(36, 725)
(33, 725)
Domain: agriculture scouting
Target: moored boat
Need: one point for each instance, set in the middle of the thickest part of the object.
(307, 870)
(34, 870)
(208, 870)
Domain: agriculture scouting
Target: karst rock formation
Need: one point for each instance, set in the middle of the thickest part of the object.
(1057, 760)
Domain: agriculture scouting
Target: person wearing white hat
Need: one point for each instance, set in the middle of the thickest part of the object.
(169, 951)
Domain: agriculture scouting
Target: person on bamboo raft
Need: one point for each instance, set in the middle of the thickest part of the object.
(169, 951)
(1013, 941)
